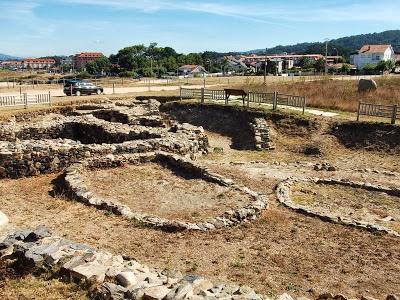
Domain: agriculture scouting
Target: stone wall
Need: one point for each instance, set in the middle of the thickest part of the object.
(283, 192)
(55, 142)
(262, 137)
(110, 276)
(75, 187)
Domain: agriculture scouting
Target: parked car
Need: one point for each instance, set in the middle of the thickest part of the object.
(81, 87)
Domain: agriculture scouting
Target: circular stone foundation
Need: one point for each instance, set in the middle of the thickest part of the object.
(164, 191)
(364, 205)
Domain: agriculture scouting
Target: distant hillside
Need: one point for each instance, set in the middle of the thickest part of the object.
(345, 46)
(8, 57)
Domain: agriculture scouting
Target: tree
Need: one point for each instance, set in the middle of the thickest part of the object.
(387, 65)
(320, 65)
(305, 63)
(369, 69)
(100, 65)
(346, 68)
(91, 67)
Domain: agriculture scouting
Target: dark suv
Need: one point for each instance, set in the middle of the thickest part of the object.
(81, 87)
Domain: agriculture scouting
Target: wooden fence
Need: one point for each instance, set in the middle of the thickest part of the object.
(25, 100)
(274, 98)
(378, 110)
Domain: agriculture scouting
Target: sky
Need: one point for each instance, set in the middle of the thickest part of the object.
(32, 28)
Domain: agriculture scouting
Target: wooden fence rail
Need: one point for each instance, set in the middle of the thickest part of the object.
(378, 110)
(25, 100)
(275, 99)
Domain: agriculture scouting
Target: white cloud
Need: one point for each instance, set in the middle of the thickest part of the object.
(269, 12)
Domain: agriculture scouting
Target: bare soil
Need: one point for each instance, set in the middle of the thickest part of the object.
(153, 189)
(282, 251)
(358, 204)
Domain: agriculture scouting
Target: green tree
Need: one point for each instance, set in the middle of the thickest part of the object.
(387, 65)
(346, 68)
(320, 65)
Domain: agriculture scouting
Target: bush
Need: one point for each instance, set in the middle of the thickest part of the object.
(83, 75)
(130, 74)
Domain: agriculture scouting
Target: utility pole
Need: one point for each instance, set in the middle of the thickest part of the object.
(326, 56)
(265, 67)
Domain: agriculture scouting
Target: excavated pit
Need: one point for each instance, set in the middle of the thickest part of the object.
(369, 136)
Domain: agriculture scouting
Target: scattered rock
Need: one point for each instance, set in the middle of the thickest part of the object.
(126, 279)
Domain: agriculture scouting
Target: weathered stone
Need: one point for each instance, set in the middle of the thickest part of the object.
(111, 291)
(366, 85)
(180, 292)
(155, 293)
(285, 297)
(126, 279)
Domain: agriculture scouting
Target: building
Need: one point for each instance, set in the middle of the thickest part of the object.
(372, 55)
(80, 60)
(191, 70)
(11, 65)
(292, 59)
(38, 63)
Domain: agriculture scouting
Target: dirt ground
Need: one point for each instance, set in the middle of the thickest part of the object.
(358, 204)
(152, 189)
(281, 252)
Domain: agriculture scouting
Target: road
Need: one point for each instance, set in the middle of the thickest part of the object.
(107, 91)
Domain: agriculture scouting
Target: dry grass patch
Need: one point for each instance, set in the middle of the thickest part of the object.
(355, 203)
(281, 252)
(156, 190)
(31, 287)
(334, 94)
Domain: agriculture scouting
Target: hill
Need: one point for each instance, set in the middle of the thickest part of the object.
(345, 45)
(8, 57)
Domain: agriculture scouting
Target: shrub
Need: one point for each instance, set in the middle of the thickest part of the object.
(127, 74)
(83, 75)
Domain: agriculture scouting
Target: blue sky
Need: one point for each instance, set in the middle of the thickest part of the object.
(48, 27)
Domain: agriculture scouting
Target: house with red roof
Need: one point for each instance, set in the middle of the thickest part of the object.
(372, 55)
(80, 60)
(38, 63)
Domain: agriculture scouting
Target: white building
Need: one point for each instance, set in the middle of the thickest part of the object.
(372, 55)
(187, 70)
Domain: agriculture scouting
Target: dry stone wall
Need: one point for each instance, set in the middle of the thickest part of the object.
(54, 143)
(262, 137)
(76, 188)
(115, 276)
(283, 192)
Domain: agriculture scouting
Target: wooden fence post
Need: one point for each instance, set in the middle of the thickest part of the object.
(358, 111)
(113, 88)
(304, 104)
(25, 100)
(248, 99)
(180, 93)
(394, 114)
(49, 98)
(202, 95)
(275, 101)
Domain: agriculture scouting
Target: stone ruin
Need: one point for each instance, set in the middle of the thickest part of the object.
(102, 136)
(283, 192)
(76, 188)
(54, 142)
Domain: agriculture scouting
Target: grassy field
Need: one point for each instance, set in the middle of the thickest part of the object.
(334, 94)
